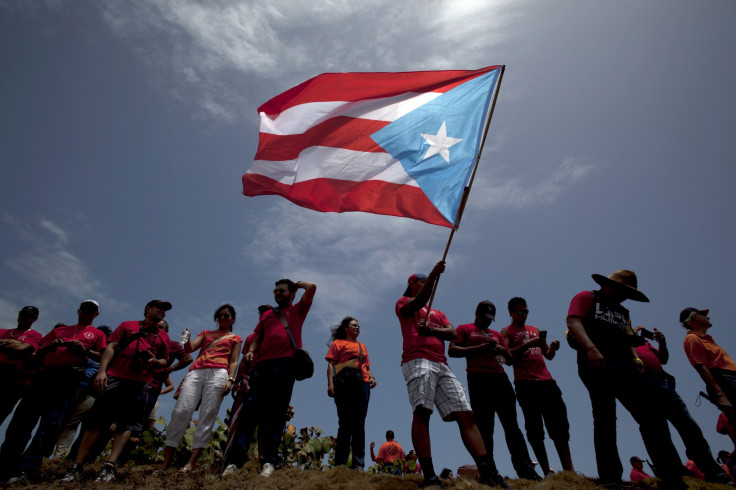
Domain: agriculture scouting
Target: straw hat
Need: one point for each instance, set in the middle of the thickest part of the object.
(623, 280)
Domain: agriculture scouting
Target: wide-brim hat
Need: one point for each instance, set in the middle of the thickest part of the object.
(624, 280)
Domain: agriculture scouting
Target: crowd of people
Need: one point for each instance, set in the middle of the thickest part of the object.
(108, 378)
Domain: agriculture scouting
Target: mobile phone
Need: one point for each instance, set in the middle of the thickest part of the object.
(543, 335)
(647, 334)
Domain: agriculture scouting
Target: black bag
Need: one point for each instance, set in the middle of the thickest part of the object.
(303, 365)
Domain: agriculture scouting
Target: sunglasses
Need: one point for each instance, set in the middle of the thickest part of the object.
(281, 290)
(521, 312)
(224, 315)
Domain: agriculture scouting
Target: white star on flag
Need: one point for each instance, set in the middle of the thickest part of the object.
(440, 143)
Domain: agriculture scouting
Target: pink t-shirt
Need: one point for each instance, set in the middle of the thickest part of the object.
(217, 356)
(29, 336)
(416, 346)
(89, 336)
(275, 341)
(648, 355)
(122, 365)
(342, 350)
(530, 365)
(469, 335)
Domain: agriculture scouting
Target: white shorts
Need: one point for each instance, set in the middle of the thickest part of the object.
(432, 383)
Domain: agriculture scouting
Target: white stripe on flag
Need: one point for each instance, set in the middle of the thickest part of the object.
(334, 163)
(298, 119)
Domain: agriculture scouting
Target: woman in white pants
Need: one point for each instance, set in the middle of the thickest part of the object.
(209, 379)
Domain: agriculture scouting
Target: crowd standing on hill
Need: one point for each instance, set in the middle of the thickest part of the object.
(112, 379)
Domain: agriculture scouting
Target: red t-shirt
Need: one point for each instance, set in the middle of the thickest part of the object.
(89, 336)
(416, 346)
(638, 475)
(9, 361)
(219, 355)
(275, 341)
(469, 335)
(530, 365)
(122, 364)
(389, 452)
(342, 350)
(701, 349)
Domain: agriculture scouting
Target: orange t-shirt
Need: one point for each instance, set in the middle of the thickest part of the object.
(343, 350)
(390, 451)
(217, 356)
(701, 349)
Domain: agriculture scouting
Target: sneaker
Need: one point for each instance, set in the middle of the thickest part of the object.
(432, 482)
(229, 470)
(493, 480)
(74, 475)
(267, 470)
(107, 473)
(20, 478)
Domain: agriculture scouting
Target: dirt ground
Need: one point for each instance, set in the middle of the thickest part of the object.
(337, 478)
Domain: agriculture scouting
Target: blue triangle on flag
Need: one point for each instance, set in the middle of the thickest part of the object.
(462, 112)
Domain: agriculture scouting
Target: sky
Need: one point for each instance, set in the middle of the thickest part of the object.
(125, 128)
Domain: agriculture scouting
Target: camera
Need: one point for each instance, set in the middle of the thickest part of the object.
(647, 334)
(139, 362)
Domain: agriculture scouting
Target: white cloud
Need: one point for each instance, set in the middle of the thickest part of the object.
(365, 254)
(214, 49)
(50, 264)
(514, 192)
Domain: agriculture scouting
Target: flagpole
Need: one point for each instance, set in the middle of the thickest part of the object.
(466, 191)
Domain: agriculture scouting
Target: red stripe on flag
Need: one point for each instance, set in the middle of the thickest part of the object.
(329, 195)
(339, 132)
(360, 86)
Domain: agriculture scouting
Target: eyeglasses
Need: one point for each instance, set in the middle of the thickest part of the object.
(521, 312)
(280, 290)
(224, 315)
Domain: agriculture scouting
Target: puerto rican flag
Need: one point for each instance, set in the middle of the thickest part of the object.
(399, 144)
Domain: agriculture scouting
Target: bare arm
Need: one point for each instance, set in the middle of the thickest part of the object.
(551, 349)
(420, 300)
(107, 355)
(330, 387)
(445, 332)
(168, 386)
(193, 345)
(662, 353)
(309, 289)
(577, 330)
(257, 339)
(232, 367)
(16, 347)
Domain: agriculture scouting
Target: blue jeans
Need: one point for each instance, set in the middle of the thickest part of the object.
(676, 412)
(352, 408)
(265, 407)
(605, 386)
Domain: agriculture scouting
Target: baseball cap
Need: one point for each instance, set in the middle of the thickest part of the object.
(29, 309)
(486, 309)
(685, 314)
(90, 304)
(412, 279)
(160, 304)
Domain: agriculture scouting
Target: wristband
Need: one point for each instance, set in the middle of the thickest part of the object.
(231, 379)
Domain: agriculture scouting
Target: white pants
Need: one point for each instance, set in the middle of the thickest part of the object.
(199, 384)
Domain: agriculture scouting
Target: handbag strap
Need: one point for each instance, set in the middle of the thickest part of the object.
(219, 339)
(288, 330)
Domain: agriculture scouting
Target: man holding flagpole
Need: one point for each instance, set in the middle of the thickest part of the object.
(430, 381)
